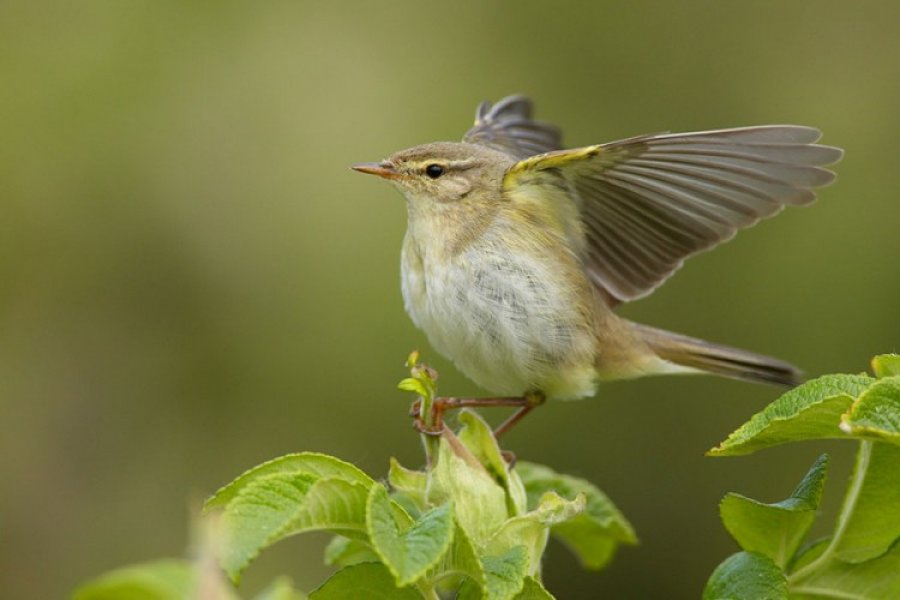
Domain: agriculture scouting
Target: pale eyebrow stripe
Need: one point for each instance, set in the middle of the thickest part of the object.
(462, 165)
(454, 165)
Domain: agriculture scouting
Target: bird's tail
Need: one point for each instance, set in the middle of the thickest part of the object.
(719, 360)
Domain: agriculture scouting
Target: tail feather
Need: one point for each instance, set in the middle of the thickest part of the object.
(719, 360)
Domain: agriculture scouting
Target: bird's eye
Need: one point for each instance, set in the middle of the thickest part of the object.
(434, 171)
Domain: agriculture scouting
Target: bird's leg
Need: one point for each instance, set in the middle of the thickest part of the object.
(441, 404)
(444, 403)
(532, 400)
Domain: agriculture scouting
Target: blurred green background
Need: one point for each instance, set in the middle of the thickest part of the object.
(193, 281)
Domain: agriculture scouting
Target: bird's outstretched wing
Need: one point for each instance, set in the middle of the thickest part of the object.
(649, 202)
(507, 126)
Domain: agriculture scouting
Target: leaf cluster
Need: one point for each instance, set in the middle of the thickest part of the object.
(468, 524)
(472, 526)
(860, 559)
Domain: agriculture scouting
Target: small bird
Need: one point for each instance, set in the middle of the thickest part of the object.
(517, 250)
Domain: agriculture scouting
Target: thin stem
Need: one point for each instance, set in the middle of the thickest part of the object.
(430, 443)
(859, 477)
(427, 589)
(425, 409)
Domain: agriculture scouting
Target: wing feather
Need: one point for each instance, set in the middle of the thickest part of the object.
(507, 126)
(650, 202)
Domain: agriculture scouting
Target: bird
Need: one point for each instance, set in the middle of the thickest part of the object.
(518, 251)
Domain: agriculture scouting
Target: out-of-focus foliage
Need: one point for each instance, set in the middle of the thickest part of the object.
(193, 281)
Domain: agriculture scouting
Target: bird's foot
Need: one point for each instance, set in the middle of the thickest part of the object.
(441, 404)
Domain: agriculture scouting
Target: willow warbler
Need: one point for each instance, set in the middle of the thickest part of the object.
(517, 251)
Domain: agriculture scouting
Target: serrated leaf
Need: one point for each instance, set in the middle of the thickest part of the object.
(505, 574)
(158, 580)
(594, 535)
(343, 552)
(270, 508)
(746, 576)
(371, 581)
(476, 435)
(460, 559)
(886, 365)
(875, 579)
(533, 528)
(411, 484)
(533, 590)
(809, 411)
(876, 413)
(313, 464)
(479, 502)
(874, 524)
(280, 589)
(776, 530)
(409, 553)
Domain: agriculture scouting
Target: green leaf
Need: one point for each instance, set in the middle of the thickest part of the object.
(505, 574)
(413, 385)
(158, 580)
(460, 560)
(478, 501)
(593, 535)
(776, 530)
(371, 581)
(516, 496)
(809, 411)
(476, 435)
(746, 576)
(410, 553)
(533, 590)
(876, 413)
(316, 465)
(270, 508)
(411, 484)
(873, 505)
(515, 550)
(421, 380)
(532, 528)
(886, 365)
(343, 552)
(280, 589)
(876, 579)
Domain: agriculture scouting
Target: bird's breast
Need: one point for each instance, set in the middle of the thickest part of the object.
(511, 316)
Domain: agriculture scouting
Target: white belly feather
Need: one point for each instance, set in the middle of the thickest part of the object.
(509, 321)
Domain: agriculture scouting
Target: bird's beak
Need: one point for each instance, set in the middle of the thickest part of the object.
(382, 169)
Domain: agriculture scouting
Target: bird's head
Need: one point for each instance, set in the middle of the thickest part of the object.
(438, 176)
